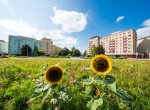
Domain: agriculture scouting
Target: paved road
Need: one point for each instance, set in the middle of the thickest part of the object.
(75, 58)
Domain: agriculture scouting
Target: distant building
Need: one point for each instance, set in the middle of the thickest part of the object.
(3, 47)
(143, 46)
(93, 41)
(16, 43)
(122, 43)
(47, 45)
(56, 50)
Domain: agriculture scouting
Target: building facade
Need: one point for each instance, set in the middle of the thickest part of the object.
(47, 45)
(56, 50)
(16, 43)
(143, 47)
(93, 41)
(3, 47)
(122, 43)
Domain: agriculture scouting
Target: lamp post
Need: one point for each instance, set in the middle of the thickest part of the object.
(147, 53)
(27, 50)
(136, 54)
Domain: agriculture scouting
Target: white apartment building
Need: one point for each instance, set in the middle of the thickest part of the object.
(3, 47)
(16, 43)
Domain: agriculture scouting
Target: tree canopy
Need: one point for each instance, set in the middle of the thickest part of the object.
(73, 52)
(40, 52)
(64, 52)
(97, 50)
(26, 50)
(84, 54)
(35, 51)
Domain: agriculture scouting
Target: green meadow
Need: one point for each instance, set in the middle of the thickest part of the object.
(18, 75)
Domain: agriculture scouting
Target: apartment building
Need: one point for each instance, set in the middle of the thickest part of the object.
(47, 45)
(122, 43)
(3, 47)
(16, 42)
(93, 41)
(56, 50)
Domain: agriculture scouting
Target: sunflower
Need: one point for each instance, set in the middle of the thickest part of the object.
(101, 64)
(53, 75)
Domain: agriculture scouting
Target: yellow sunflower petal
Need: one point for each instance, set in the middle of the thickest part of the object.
(101, 64)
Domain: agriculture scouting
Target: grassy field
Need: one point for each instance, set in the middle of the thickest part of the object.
(17, 81)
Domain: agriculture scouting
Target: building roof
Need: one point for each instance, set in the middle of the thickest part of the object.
(23, 37)
(94, 37)
(45, 38)
(119, 32)
(2, 41)
(113, 34)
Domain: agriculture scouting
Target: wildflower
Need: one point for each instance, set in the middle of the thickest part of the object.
(57, 108)
(101, 64)
(97, 92)
(53, 75)
(53, 101)
(27, 102)
(74, 81)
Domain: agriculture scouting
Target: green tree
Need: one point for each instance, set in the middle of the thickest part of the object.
(93, 51)
(40, 52)
(100, 50)
(76, 53)
(84, 54)
(97, 50)
(35, 50)
(26, 50)
(64, 52)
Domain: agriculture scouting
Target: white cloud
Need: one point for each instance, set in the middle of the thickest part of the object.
(71, 21)
(18, 27)
(5, 2)
(116, 32)
(146, 22)
(59, 38)
(120, 18)
(144, 31)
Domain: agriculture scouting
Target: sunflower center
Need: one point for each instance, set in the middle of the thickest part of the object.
(54, 74)
(101, 64)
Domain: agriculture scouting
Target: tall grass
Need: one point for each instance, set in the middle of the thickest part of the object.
(17, 81)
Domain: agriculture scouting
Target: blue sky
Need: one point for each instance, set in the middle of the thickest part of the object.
(72, 22)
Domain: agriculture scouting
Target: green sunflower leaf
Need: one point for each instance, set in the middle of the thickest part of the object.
(38, 90)
(88, 89)
(124, 96)
(109, 79)
(94, 104)
(112, 86)
(49, 91)
(46, 87)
